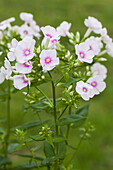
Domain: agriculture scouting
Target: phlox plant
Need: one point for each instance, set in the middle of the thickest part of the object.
(31, 56)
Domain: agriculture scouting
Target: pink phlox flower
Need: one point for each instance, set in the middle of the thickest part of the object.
(83, 52)
(97, 83)
(24, 68)
(99, 70)
(64, 28)
(95, 44)
(25, 31)
(12, 46)
(25, 50)
(48, 59)
(49, 32)
(85, 90)
(109, 49)
(6, 23)
(93, 24)
(52, 43)
(26, 17)
(21, 81)
(106, 39)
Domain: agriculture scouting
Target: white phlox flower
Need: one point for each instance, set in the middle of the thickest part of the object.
(95, 44)
(52, 42)
(21, 81)
(93, 24)
(109, 49)
(85, 90)
(25, 31)
(99, 70)
(5, 72)
(83, 52)
(105, 37)
(64, 28)
(25, 50)
(49, 31)
(26, 17)
(6, 23)
(24, 68)
(97, 83)
(11, 55)
(48, 59)
(36, 29)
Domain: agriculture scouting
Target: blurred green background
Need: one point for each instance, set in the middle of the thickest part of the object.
(98, 152)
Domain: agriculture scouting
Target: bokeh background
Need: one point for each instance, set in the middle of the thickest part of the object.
(98, 152)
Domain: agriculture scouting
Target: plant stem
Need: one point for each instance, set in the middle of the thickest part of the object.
(77, 147)
(8, 118)
(62, 112)
(45, 96)
(55, 118)
(68, 127)
(32, 154)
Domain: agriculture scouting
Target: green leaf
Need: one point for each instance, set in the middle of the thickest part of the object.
(49, 139)
(30, 156)
(51, 159)
(4, 160)
(14, 147)
(48, 149)
(68, 82)
(36, 148)
(26, 166)
(62, 148)
(59, 139)
(77, 119)
(29, 125)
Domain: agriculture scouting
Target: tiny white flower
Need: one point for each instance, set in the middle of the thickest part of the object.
(25, 31)
(21, 81)
(24, 68)
(85, 90)
(6, 23)
(106, 39)
(109, 49)
(93, 24)
(25, 50)
(12, 46)
(63, 29)
(2, 74)
(97, 83)
(26, 17)
(83, 52)
(95, 44)
(49, 31)
(99, 70)
(48, 59)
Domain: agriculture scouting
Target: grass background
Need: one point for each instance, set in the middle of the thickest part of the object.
(98, 152)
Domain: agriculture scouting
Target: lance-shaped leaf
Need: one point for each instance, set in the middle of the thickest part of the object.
(77, 119)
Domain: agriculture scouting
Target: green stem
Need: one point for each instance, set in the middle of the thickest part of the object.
(68, 127)
(63, 112)
(55, 118)
(45, 96)
(77, 147)
(8, 118)
(32, 154)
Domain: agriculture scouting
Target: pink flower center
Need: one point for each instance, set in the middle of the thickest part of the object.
(82, 54)
(48, 35)
(25, 32)
(27, 64)
(94, 84)
(55, 40)
(48, 60)
(25, 80)
(27, 52)
(90, 47)
(85, 89)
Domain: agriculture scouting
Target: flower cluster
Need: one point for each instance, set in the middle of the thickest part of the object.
(29, 55)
